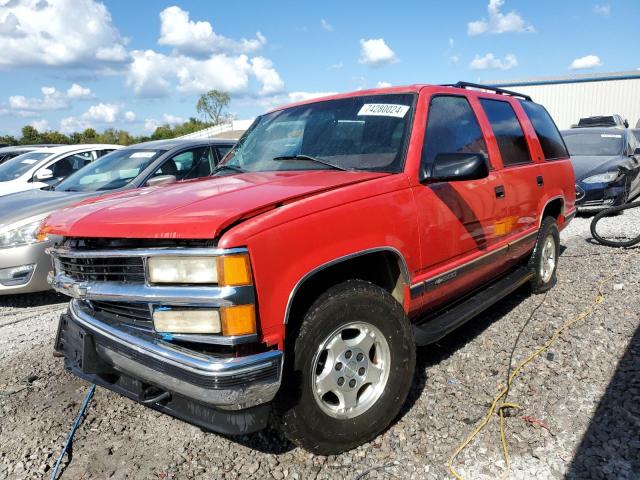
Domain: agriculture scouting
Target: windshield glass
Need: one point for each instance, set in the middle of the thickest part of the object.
(18, 166)
(357, 133)
(112, 171)
(594, 143)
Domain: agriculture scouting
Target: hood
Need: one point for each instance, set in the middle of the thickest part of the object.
(18, 206)
(586, 165)
(199, 209)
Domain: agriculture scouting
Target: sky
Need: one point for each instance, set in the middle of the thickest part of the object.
(68, 65)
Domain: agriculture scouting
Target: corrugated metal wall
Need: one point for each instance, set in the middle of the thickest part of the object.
(568, 102)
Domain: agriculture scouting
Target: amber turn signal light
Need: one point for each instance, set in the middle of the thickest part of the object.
(238, 320)
(234, 270)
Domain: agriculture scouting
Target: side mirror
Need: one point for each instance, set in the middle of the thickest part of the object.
(451, 167)
(626, 123)
(43, 174)
(160, 180)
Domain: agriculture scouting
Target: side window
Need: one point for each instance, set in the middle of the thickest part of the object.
(452, 127)
(64, 167)
(548, 134)
(508, 132)
(190, 164)
(223, 150)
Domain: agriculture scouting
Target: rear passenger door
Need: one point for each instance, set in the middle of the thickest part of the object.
(522, 177)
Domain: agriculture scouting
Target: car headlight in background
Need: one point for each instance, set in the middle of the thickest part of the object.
(602, 177)
(21, 233)
(224, 270)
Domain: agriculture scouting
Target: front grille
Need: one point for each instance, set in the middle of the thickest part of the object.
(135, 313)
(127, 270)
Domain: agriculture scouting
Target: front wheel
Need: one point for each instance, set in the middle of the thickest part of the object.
(349, 369)
(544, 259)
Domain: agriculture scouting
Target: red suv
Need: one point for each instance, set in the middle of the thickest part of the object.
(295, 284)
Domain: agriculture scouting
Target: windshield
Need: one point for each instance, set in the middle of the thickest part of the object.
(594, 143)
(112, 171)
(18, 166)
(357, 133)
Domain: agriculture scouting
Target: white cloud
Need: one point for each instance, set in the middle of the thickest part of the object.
(102, 113)
(78, 92)
(153, 74)
(150, 124)
(326, 25)
(454, 59)
(56, 33)
(383, 84)
(375, 52)
(452, 43)
(52, 99)
(40, 125)
(189, 37)
(265, 73)
(498, 22)
(588, 61)
(490, 62)
(336, 66)
(602, 9)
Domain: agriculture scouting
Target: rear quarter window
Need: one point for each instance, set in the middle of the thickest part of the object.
(553, 146)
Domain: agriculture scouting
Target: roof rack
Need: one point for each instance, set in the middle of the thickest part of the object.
(501, 91)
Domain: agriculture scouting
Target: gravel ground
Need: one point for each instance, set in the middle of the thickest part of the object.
(582, 397)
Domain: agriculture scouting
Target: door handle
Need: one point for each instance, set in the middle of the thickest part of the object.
(499, 191)
(540, 180)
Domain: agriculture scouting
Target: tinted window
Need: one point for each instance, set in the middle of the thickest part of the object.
(594, 143)
(196, 163)
(452, 127)
(548, 134)
(223, 150)
(18, 166)
(508, 132)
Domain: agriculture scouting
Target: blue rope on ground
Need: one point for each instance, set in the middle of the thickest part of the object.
(68, 444)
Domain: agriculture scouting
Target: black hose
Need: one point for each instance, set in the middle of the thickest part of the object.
(606, 213)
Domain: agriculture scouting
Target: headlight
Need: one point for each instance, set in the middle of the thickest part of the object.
(182, 270)
(225, 270)
(18, 234)
(602, 177)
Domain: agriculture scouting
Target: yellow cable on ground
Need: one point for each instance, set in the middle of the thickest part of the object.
(599, 298)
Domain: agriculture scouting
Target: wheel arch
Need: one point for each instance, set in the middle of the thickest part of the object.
(393, 276)
(554, 207)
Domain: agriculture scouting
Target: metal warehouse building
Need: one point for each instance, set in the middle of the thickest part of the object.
(569, 98)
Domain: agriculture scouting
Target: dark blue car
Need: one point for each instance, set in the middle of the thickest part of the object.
(606, 162)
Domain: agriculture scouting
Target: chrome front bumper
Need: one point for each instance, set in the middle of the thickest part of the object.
(226, 383)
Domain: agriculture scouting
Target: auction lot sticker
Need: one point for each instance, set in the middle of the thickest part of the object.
(384, 110)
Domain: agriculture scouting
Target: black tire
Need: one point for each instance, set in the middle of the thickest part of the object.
(296, 409)
(548, 230)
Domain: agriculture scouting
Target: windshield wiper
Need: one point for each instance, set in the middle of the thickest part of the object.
(312, 159)
(226, 166)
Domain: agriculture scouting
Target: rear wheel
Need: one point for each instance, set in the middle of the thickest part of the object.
(544, 259)
(348, 371)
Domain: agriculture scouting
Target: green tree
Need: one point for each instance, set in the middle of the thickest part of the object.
(212, 105)
(30, 135)
(89, 136)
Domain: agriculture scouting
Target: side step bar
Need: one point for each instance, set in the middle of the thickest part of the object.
(433, 328)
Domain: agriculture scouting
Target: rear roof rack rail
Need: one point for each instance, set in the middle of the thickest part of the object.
(501, 91)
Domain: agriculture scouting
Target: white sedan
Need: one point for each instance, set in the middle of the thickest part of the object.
(46, 167)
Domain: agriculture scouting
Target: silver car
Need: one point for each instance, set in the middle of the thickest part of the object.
(24, 265)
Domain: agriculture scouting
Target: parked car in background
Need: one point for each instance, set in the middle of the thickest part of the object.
(602, 121)
(23, 262)
(337, 234)
(7, 153)
(46, 167)
(606, 162)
